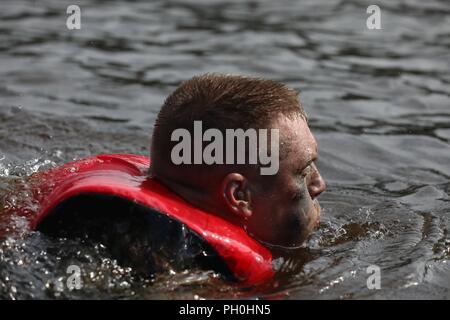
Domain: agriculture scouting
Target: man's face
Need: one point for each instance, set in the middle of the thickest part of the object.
(285, 207)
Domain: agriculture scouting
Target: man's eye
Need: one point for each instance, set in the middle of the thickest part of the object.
(308, 170)
(304, 173)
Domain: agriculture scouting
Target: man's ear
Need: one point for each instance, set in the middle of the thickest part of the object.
(237, 195)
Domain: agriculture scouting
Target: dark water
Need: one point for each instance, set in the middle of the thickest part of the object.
(378, 100)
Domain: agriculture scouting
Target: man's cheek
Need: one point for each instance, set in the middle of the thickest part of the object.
(305, 207)
(309, 213)
(295, 222)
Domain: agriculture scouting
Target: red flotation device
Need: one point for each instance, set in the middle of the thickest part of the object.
(125, 176)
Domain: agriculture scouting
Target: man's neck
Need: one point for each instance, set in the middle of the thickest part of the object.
(202, 198)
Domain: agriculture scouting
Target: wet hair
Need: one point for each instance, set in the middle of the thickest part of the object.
(221, 101)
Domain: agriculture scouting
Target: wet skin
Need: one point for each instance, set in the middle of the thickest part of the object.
(285, 209)
(279, 210)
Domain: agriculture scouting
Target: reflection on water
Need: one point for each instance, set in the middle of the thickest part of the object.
(378, 103)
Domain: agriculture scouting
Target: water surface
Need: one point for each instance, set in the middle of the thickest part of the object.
(378, 103)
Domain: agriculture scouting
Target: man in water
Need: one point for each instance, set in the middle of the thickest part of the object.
(276, 206)
(278, 210)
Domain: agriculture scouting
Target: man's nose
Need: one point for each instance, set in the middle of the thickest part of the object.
(316, 184)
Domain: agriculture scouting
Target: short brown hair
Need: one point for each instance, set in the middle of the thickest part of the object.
(221, 101)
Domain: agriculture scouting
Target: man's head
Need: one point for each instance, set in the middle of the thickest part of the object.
(279, 209)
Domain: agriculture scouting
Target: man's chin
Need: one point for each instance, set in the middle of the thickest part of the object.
(310, 227)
